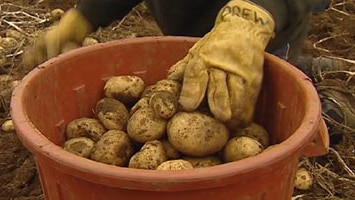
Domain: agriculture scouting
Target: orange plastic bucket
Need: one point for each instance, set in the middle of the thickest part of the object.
(67, 87)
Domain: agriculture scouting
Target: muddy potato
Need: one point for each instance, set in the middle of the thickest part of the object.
(255, 131)
(126, 89)
(148, 91)
(55, 14)
(89, 41)
(168, 85)
(171, 152)
(80, 146)
(8, 126)
(14, 34)
(207, 161)
(144, 125)
(304, 179)
(141, 103)
(175, 165)
(114, 148)
(164, 104)
(150, 156)
(8, 43)
(6, 81)
(112, 113)
(242, 147)
(196, 134)
(3, 58)
(85, 127)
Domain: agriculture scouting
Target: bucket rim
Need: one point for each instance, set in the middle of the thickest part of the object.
(141, 179)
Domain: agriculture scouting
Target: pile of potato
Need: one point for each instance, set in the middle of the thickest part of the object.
(141, 126)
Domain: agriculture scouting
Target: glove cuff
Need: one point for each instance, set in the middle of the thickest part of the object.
(74, 26)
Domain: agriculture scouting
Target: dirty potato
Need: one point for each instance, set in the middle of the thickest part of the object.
(207, 161)
(242, 147)
(255, 131)
(85, 127)
(144, 125)
(126, 88)
(303, 179)
(8, 126)
(150, 156)
(114, 148)
(8, 43)
(164, 104)
(148, 91)
(81, 146)
(175, 165)
(89, 41)
(171, 152)
(174, 87)
(196, 134)
(55, 14)
(141, 103)
(112, 113)
(3, 58)
(10, 33)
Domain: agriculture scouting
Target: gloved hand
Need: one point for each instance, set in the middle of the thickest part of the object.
(67, 35)
(227, 64)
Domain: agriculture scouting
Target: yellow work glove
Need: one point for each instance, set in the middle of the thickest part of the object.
(67, 35)
(227, 64)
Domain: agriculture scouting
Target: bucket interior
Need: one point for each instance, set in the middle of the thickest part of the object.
(66, 89)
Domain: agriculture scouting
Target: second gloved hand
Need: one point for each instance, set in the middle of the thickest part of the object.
(227, 64)
(67, 35)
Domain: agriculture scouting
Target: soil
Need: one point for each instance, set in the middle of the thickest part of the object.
(332, 34)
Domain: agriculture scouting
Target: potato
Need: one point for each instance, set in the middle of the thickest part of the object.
(8, 126)
(8, 43)
(148, 91)
(81, 146)
(10, 33)
(164, 104)
(141, 103)
(112, 113)
(171, 152)
(3, 58)
(303, 180)
(7, 87)
(126, 89)
(55, 14)
(85, 127)
(6, 81)
(167, 85)
(239, 148)
(144, 125)
(207, 161)
(255, 131)
(175, 165)
(196, 134)
(151, 155)
(89, 41)
(114, 148)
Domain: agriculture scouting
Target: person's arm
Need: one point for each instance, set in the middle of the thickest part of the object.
(73, 27)
(292, 25)
(103, 12)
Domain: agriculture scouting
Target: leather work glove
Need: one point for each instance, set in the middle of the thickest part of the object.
(227, 64)
(67, 35)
